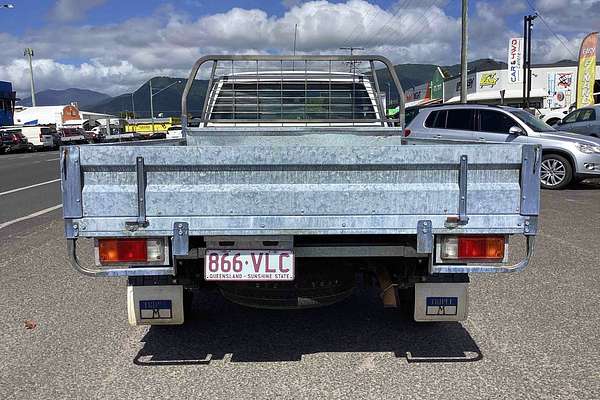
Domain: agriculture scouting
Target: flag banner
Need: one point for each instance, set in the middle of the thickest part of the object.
(586, 71)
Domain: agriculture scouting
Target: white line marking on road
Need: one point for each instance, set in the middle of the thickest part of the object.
(35, 214)
(53, 159)
(28, 187)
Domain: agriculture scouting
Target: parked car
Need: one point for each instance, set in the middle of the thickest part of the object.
(14, 141)
(567, 157)
(39, 136)
(585, 121)
(174, 132)
(551, 117)
(74, 135)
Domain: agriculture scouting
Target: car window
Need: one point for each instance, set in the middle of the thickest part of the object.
(587, 114)
(569, 119)
(532, 122)
(437, 119)
(495, 121)
(460, 119)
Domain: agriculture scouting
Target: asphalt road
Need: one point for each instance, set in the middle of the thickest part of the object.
(534, 334)
(29, 184)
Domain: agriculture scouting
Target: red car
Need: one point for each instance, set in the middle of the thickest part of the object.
(13, 141)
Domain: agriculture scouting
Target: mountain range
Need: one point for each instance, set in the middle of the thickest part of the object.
(168, 101)
(83, 97)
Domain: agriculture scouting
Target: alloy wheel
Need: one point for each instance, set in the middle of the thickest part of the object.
(553, 172)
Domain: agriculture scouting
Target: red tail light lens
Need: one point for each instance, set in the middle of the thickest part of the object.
(407, 132)
(128, 251)
(473, 247)
(481, 247)
(122, 250)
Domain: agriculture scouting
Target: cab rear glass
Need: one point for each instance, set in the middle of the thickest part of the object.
(293, 101)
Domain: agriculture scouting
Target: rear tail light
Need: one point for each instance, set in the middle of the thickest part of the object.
(473, 247)
(407, 132)
(130, 251)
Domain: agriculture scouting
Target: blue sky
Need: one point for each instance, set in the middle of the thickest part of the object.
(114, 46)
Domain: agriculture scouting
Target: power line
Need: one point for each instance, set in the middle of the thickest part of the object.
(550, 29)
(403, 7)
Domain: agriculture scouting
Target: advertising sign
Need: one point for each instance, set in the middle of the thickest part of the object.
(488, 80)
(560, 89)
(515, 60)
(586, 71)
(437, 84)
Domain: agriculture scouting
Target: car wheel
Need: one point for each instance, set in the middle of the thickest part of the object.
(556, 173)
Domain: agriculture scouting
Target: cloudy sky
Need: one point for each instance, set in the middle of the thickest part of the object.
(114, 46)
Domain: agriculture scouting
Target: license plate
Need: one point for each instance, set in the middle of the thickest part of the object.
(249, 265)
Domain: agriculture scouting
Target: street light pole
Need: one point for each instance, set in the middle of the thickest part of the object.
(463, 53)
(152, 106)
(152, 99)
(389, 99)
(29, 53)
(527, 28)
(133, 110)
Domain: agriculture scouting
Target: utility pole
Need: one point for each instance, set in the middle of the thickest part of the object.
(295, 35)
(152, 94)
(351, 49)
(463, 52)
(527, 29)
(133, 110)
(29, 53)
(151, 106)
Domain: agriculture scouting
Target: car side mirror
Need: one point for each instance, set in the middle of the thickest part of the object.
(516, 130)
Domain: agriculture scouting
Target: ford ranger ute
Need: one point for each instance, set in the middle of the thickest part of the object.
(287, 184)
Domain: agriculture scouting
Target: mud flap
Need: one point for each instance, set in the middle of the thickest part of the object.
(155, 305)
(441, 302)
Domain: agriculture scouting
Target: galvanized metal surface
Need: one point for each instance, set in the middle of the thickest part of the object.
(463, 177)
(181, 240)
(71, 184)
(424, 237)
(530, 175)
(298, 181)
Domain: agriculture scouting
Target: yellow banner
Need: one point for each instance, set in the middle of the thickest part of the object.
(586, 72)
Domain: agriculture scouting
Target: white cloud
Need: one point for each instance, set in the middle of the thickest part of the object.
(119, 57)
(571, 16)
(72, 10)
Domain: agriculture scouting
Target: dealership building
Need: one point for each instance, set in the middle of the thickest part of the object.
(552, 86)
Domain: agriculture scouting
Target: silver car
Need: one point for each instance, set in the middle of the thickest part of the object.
(567, 157)
(585, 121)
